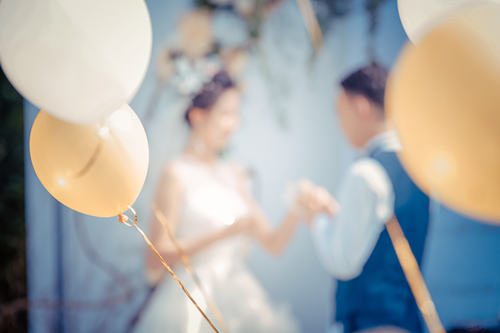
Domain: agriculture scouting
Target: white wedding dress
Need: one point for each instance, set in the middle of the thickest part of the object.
(211, 201)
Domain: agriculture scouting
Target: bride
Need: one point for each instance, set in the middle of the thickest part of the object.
(207, 204)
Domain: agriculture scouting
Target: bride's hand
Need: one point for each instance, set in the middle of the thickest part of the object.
(326, 201)
(312, 200)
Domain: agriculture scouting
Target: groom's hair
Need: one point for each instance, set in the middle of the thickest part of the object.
(368, 81)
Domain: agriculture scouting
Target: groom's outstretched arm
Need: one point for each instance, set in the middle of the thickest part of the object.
(345, 242)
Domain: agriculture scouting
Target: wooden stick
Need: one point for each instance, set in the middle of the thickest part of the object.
(414, 276)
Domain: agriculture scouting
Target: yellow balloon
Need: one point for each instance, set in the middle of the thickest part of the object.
(421, 16)
(94, 169)
(444, 100)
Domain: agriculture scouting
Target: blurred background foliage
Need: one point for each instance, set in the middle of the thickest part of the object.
(12, 234)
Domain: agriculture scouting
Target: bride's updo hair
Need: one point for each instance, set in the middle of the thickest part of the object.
(210, 93)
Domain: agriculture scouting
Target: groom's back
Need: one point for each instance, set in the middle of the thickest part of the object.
(380, 295)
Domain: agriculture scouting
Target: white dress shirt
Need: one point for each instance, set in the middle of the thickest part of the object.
(366, 198)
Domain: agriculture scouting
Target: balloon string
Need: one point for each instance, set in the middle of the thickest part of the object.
(311, 22)
(122, 218)
(414, 276)
(187, 263)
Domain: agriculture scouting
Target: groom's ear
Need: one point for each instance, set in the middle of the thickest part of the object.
(363, 106)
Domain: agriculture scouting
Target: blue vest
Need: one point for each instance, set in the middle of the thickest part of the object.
(381, 295)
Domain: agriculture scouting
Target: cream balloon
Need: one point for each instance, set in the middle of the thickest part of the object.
(421, 16)
(94, 169)
(443, 98)
(78, 60)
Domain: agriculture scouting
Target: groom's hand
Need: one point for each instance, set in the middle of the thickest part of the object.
(314, 200)
(328, 203)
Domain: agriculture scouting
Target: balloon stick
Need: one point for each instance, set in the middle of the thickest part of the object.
(414, 276)
(187, 263)
(122, 218)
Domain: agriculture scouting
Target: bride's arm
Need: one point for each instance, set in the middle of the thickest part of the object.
(273, 240)
(304, 207)
(169, 201)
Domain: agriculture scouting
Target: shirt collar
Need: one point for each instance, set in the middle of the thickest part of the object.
(384, 141)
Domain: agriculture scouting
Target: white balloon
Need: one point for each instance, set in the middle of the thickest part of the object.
(79, 60)
(420, 16)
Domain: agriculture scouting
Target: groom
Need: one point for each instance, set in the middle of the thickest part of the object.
(372, 293)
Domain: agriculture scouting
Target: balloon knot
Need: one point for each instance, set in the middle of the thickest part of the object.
(122, 218)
